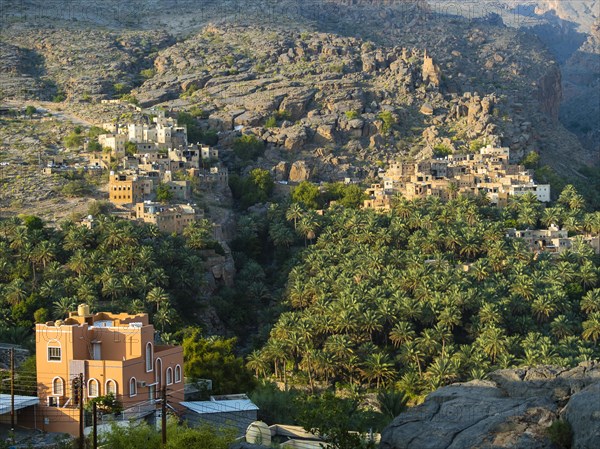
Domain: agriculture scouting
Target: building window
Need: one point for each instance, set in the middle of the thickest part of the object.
(149, 358)
(158, 372)
(58, 387)
(132, 387)
(54, 352)
(169, 376)
(177, 373)
(93, 390)
(111, 387)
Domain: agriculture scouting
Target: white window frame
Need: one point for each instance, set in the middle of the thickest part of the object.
(132, 381)
(89, 389)
(149, 357)
(54, 344)
(169, 376)
(62, 386)
(177, 374)
(114, 382)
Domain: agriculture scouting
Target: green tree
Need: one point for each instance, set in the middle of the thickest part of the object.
(73, 140)
(262, 180)
(248, 147)
(335, 420)
(388, 121)
(307, 194)
(163, 193)
(213, 358)
(30, 110)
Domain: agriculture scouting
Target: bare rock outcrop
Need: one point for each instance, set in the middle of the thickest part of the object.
(431, 71)
(511, 410)
(299, 171)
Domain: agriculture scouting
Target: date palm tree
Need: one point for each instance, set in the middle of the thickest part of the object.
(158, 296)
(257, 362)
(591, 327)
(403, 332)
(294, 213)
(378, 367)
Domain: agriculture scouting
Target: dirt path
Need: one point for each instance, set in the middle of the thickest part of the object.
(56, 109)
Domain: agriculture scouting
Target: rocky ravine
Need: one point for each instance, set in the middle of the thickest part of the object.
(513, 409)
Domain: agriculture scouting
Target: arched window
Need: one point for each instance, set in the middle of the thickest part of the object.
(111, 387)
(58, 387)
(149, 358)
(169, 376)
(132, 387)
(93, 388)
(158, 373)
(177, 373)
(54, 351)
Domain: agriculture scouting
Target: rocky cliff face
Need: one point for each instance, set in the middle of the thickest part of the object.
(513, 409)
(549, 92)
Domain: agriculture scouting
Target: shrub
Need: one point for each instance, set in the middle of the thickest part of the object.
(75, 188)
(283, 115)
(148, 73)
(248, 147)
(198, 112)
(94, 146)
(73, 140)
(351, 115)
(388, 121)
(271, 122)
(130, 99)
(441, 150)
(477, 145)
(561, 434)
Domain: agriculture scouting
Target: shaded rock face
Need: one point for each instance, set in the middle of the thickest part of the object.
(511, 410)
(549, 92)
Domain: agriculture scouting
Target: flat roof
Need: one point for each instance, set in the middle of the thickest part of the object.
(226, 406)
(20, 402)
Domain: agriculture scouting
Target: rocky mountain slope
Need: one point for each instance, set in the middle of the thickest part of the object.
(513, 409)
(333, 66)
(569, 29)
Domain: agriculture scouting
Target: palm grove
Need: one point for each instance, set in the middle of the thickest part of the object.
(409, 300)
(432, 293)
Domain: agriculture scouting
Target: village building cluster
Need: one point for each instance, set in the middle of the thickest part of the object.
(552, 240)
(488, 172)
(157, 165)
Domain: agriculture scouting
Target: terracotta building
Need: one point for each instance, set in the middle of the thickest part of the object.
(112, 353)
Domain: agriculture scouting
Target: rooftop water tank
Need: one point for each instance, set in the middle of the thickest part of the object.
(258, 433)
(83, 310)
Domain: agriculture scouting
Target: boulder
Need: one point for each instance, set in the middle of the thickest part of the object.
(297, 102)
(295, 138)
(427, 109)
(324, 134)
(431, 72)
(511, 410)
(248, 118)
(583, 413)
(280, 171)
(299, 172)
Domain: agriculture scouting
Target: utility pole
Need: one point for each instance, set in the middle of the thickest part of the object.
(95, 423)
(12, 389)
(164, 415)
(81, 423)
